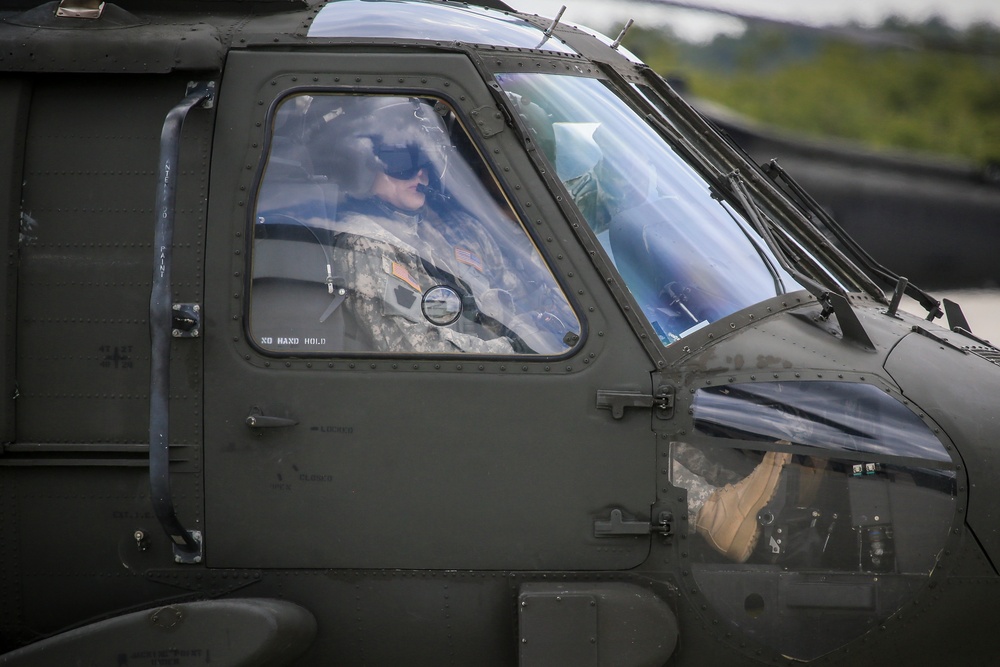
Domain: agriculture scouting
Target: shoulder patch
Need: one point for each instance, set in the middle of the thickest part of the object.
(404, 297)
(400, 271)
(469, 258)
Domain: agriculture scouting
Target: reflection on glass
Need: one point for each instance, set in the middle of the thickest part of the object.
(379, 228)
(423, 20)
(850, 417)
(806, 259)
(688, 258)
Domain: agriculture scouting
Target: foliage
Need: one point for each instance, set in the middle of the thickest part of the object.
(924, 87)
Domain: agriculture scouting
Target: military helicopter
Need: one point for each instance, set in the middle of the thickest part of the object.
(589, 389)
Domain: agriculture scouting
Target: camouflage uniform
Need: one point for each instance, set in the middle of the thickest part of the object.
(602, 193)
(389, 258)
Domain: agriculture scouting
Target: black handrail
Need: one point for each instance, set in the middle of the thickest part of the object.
(187, 544)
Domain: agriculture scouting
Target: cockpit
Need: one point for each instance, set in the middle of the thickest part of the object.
(854, 494)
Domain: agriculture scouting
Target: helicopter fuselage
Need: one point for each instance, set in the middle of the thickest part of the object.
(223, 445)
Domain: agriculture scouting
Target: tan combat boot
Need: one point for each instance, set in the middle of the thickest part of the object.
(728, 519)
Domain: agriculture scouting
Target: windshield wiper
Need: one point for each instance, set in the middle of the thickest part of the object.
(737, 187)
(818, 215)
(779, 284)
(788, 260)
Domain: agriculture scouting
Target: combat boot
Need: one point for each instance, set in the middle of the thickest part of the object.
(728, 519)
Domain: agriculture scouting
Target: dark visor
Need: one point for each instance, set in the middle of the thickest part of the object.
(402, 162)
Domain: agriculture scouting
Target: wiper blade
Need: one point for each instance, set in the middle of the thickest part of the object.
(800, 229)
(847, 244)
(788, 261)
(739, 188)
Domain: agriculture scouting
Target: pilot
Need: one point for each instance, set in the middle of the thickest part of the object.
(421, 278)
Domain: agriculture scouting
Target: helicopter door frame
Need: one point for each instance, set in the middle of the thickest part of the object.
(412, 461)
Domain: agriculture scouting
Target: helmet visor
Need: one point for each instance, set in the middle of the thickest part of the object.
(403, 162)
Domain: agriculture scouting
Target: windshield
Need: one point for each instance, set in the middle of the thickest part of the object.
(687, 256)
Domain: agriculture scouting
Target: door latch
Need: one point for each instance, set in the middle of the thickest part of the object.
(661, 401)
(618, 526)
(257, 419)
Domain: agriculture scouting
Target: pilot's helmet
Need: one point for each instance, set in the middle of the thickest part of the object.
(397, 136)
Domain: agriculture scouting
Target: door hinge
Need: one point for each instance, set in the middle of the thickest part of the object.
(661, 401)
(490, 120)
(617, 525)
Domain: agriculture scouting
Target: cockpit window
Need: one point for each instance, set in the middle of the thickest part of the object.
(847, 417)
(806, 498)
(431, 21)
(687, 256)
(379, 228)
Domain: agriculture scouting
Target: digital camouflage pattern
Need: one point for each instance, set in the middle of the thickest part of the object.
(389, 259)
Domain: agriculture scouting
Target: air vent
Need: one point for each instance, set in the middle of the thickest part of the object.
(987, 353)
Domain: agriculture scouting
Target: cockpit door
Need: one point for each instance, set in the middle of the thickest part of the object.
(324, 450)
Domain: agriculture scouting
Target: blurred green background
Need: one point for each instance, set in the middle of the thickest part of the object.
(923, 86)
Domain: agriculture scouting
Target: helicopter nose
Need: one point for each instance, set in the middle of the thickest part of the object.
(963, 403)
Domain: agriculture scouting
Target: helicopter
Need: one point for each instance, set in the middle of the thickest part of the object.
(595, 389)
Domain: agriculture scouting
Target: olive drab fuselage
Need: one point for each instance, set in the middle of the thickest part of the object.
(253, 414)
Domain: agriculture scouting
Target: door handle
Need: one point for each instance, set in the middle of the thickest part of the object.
(662, 401)
(257, 419)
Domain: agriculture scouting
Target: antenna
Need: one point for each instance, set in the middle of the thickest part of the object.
(618, 42)
(555, 22)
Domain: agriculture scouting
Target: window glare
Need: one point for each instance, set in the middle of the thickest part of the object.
(688, 258)
(379, 228)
